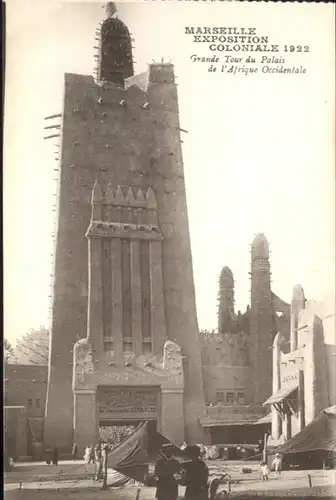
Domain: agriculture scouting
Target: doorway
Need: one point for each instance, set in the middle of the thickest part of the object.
(116, 431)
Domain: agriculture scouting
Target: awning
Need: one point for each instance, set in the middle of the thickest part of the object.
(234, 420)
(281, 394)
(267, 419)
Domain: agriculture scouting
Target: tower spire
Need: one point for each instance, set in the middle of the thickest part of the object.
(110, 9)
(115, 59)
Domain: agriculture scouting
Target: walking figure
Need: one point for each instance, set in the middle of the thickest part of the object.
(55, 456)
(99, 462)
(92, 455)
(264, 471)
(74, 452)
(276, 465)
(48, 455)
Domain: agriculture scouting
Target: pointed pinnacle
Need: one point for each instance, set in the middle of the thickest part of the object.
(119, 197)
(150, 198)
(140, 196)
(109, 193)
(130, 196)
(97, 194)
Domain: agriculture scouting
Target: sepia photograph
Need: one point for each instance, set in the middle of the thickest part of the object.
(169, 250)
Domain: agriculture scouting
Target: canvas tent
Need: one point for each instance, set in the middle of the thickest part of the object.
(319, 435)
(128, 461)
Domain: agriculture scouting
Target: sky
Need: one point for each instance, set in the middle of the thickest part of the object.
(258, 155)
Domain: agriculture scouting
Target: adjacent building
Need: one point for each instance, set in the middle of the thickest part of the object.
(304, 379)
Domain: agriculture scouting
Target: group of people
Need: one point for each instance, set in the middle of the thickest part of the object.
(195, 476)
(51, 455)
(276, 467)
(95, 455)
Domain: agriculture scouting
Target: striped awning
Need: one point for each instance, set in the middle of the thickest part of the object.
(281, 394)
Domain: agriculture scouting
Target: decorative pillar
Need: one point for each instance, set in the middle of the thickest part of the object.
(85, 419)
(172, 415)
(136, 297)
(315, 379)
(301, 401)
(158, 320)
(276, 384)
(95, 304)
(287, 425)
(116, 297)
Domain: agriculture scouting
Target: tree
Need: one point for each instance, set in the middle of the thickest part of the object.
(115, 434)
(9, 354)
(33, 348)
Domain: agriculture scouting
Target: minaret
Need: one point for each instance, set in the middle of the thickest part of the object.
(225, 301)
(261, 319)
(298, 303)
(115, 58)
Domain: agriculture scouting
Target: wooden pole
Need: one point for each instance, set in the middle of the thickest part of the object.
(265, 448)
(105, 456)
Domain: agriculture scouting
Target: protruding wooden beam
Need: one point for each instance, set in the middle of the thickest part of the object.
(52, 126)
(50, 136)
(58, 115)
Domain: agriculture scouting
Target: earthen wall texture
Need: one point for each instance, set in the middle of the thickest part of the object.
(124, 143)
(15, 424)
(26, 385)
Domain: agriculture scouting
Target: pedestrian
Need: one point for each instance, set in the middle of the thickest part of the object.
(99, 462)
(74, 452)
(48, 455)
(264, 471)
(196, 476)
(91, 455)
(105, 453)
(55, 456)
(276, 465)
(165, 470)
(87, 454)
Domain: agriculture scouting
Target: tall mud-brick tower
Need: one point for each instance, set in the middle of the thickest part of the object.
(226, 314)
(122, 132)
(261, 319)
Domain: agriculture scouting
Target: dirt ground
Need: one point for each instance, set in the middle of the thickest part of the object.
(39, 482)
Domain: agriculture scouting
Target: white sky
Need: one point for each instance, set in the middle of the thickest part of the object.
(259, 155)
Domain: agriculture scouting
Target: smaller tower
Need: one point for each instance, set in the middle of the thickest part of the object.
(226, 313)
(298, 303)
(115, 62)
(261, 318)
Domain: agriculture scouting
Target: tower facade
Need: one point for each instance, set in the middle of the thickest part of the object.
(261, 319)
(123, 134)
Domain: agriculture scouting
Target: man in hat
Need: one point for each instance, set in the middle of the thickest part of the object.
(196, 476)
(165, 469)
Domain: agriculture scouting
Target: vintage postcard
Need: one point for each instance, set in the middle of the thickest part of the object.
(169, 249)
